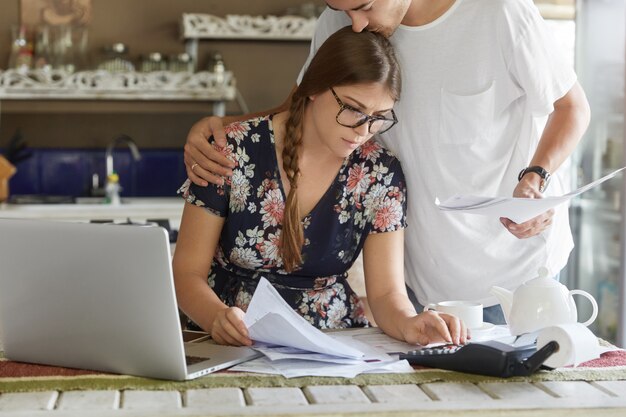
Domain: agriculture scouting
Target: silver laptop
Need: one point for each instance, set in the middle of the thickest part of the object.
(98, 297)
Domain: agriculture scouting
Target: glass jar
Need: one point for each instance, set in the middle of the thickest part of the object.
(154, 61)
(116, 59)
(181, 63)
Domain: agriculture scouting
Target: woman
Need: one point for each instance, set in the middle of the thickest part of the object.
(310, 191)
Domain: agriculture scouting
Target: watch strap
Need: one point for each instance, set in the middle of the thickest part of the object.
(543, 173)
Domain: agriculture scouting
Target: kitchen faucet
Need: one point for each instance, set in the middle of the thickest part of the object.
(112, 187)
(121, 139)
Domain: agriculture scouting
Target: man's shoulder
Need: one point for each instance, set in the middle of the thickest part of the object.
(511, 8)
(330, 21)
(512, 19)
(333, 17)
(502, 4)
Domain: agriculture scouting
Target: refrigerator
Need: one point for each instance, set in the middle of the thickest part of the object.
(598, 217)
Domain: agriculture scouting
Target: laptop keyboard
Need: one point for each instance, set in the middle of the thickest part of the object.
(192, 360)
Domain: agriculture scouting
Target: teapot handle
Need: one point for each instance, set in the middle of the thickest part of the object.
(594, 304)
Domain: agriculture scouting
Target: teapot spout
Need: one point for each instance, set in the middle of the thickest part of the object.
(505, 297)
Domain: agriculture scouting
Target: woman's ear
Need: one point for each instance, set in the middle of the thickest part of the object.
(313, 97)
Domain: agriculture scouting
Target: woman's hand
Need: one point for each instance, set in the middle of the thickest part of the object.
(202, 161)
(432, 327)
(229, 328)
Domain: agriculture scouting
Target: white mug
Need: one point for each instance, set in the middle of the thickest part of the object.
(470, 312)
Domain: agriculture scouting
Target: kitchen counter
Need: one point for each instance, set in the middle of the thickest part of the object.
(135, 209)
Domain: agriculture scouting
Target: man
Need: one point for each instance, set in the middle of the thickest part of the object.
(477, 77)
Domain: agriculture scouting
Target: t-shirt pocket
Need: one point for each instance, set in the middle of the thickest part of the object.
(466, 119)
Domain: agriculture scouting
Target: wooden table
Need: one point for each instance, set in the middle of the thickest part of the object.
(572, 398)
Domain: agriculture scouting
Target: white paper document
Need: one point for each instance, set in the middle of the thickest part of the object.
(372, 339)
(271, 320)
(517, 209)
(292, 368)
(291, 362)
(294, 348)
(277, 353)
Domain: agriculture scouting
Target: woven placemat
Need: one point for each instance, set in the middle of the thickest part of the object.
(21, 377)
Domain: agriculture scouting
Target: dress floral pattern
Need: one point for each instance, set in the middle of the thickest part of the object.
(367, 196)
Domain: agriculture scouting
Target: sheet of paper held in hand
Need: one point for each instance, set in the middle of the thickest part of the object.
(517, 209)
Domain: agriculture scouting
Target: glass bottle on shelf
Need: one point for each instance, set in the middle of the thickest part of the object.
(115, 59)
(21, 57)
(15, 47)
(64, 49)
(81, 38)
(217, 67)
(43, 54)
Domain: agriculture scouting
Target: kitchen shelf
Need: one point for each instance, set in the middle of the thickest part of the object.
(104, 85)
(196, 26)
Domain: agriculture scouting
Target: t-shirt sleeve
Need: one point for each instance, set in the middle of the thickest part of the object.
(535, 60)
(329, 22)
(387, 198)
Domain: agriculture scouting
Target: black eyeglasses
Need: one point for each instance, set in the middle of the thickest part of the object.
(348, 116)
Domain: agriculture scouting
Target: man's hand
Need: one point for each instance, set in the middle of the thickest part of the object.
(528, 187)
(431, 327)
(203, 162)
(229, 328)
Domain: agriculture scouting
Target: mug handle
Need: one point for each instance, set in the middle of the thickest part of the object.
(430, 306)
(594, 304)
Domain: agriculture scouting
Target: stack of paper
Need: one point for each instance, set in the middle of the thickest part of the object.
(293, 347)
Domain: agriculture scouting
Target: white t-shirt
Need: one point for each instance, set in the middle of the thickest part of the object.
(477, 84)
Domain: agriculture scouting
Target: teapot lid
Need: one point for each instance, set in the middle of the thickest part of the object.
(543, 279)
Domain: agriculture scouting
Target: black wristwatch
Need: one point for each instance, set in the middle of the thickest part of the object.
(545, 176)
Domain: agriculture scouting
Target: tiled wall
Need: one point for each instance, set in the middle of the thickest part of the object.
(69, 172)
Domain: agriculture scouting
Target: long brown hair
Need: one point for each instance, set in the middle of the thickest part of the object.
(346, 58)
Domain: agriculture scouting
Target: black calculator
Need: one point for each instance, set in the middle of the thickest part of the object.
(491, 358)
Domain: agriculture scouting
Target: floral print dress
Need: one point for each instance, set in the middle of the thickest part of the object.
(367, 196)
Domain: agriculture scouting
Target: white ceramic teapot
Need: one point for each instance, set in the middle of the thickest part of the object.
(540, 302)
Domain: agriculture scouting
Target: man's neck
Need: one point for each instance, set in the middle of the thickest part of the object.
(423, 12)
